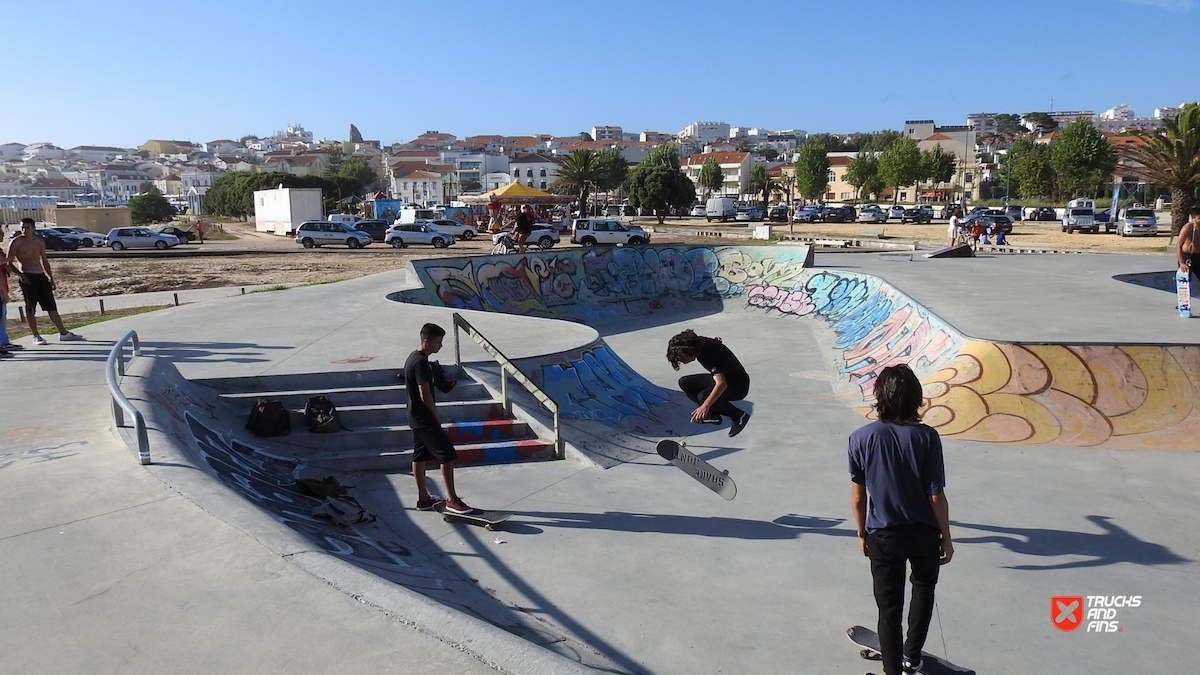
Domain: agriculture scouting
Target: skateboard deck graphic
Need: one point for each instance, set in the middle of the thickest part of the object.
(1183, 291)
(490, 520)
(869, 641)
(706, 474)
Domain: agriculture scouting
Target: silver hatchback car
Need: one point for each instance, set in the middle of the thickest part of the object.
(122, 238)
(1137, 221)
(320, 232)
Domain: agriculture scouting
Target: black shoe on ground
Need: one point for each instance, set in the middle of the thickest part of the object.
(428, 504)
(739, 423)
(909, 666)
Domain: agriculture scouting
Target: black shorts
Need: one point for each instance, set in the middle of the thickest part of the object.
(526, 229)
(38, 292)
(431, 444)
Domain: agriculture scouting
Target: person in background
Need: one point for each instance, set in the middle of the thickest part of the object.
(37, 281)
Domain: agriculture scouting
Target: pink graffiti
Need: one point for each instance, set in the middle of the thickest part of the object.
(798, 303)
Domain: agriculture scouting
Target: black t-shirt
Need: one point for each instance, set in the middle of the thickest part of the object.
(525, 222)
(417, 372)
(715, 357)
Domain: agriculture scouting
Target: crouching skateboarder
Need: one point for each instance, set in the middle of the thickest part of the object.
(431, 444)
(725, 381)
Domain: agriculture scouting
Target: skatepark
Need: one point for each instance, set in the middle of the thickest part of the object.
(1063, 387)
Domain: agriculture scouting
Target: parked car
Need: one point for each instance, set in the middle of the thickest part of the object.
(320, 232)
(808, 214)
(996, 223)
(1042, 213)
(1103, 215)
(627, 210)
(1014, 211)
(779, 214)
(697, 211)
(926, 208)
(57, 241)
(139, 237)
(839, 214)
(895, 212)
(400, 236)
(749, 213)
(459, 230)
(612, 211)
(88, 239)
(871, 213)
(376, 228)
(593, 231)
(951, 210)
(1137, 221)
(915, 215)
(184, 236)
(980, 209)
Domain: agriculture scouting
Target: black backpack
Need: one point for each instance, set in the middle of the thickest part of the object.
(268, 417)
(321, 415)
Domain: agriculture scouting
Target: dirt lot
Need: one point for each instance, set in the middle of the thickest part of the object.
(268, 259)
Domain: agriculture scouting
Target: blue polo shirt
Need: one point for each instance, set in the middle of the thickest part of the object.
(901, 466)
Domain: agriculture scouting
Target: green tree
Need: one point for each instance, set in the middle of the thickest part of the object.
(1171, 159)
(812, 169)
(712, 179)
(232, 194)
(1083, 159)
(1032, 173)
(1009, 126)
(769, 153)
(585, 172)
(334, 157)
(586, 137)
(900, 165)
(863, 172)
(357, 168)
(658, 183)
(743, 145)
(877, 141)
(762, 182)
(937, 165)
(151, 207)
(1043, 121)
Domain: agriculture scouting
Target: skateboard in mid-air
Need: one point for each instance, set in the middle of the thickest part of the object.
(931, 665)
(490, 520)
(709, 476)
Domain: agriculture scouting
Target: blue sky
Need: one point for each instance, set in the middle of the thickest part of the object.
(119, 73)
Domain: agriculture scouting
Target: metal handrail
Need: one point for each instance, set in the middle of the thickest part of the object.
(507, 368)
(120, 404)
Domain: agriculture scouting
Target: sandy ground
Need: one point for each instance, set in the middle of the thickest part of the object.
(116, 274)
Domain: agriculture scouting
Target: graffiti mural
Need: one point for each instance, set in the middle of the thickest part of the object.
(600, 386)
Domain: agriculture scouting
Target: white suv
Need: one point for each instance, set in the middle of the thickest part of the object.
(592, 231)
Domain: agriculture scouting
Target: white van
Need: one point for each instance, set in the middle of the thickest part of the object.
(720, 207)
(345, 219)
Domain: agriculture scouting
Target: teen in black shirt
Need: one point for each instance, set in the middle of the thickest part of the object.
(725, 381)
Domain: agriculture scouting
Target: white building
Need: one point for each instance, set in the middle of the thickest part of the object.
(1166, 113)
(43, 150)
(983, 123)
(735, 167)
(97, 153)
(706, 132)
(474, 165)
(535, 170)
(607, 134)
(12, 151)
(1120, 112)
(418, 187)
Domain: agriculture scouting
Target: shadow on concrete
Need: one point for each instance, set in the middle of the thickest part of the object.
(1111, 546)
(786, 527)
(1162, 281)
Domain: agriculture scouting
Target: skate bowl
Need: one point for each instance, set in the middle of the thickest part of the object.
(1126, 396)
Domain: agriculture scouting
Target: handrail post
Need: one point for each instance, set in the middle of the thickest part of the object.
(120, 404)
(504, 390)
(457, 350)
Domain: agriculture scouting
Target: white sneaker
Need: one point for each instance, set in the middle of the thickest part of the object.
(69, 337)
(39, 340)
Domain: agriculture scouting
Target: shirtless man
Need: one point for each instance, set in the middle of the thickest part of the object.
(37, 281)
(1185, 251)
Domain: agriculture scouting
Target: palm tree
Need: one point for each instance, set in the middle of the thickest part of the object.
(1172, 160)
(584, 172)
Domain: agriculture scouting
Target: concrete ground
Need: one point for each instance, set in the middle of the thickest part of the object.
(117, 571)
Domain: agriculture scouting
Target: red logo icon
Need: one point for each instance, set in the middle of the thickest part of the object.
(1066, 611)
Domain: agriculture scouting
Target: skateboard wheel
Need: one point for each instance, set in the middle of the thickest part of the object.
(445, 519)
(725, 471)
(489, 527)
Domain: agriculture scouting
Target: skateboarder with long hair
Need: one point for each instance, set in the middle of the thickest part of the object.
(896, 467)
(725, 381)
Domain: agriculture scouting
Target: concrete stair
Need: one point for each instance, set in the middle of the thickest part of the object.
(372, 406)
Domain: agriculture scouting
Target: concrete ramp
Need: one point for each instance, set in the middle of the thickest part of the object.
(1103, 395)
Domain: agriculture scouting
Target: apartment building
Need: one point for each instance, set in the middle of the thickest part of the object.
(535, 170)
(735, 167)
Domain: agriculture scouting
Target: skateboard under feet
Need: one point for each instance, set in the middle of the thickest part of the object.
(490, 520)
(931, 665)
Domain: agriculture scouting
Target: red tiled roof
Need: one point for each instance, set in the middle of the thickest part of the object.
(939, 137)
(721, 157)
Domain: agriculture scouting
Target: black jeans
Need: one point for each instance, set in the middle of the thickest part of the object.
(699, 388)
(889, 550)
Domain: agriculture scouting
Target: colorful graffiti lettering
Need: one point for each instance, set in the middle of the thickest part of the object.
(600, 386)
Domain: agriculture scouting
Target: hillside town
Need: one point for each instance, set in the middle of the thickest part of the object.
(438, 167)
